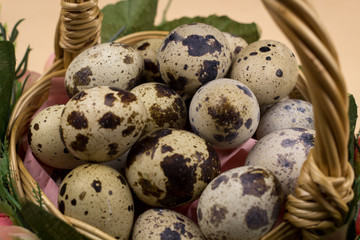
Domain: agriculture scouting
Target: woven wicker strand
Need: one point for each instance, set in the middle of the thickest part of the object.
(319, 205)
(325, 183)
(79, 28)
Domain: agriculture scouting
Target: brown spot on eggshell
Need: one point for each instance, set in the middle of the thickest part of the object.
(208, 71)
(167, 233)
(253, 182)
(162, 116)
(256, 218)
(62, 207)
(128, 59)
(210, 167)
(201, 45)
(80, 143)
(163, 90)
(82, 77)
(113, 149)
(109, 99)
(181, 179)
(63, 189)
(78, 120)
(218, 214)
(177, 84)
(110, 121)
(82, 195)
(36, 126)
(128, 131)
(217, 181)
(96, 185)
(146, 145)
(143, 46)
(148, 188)
(166, 148)
(150, 66)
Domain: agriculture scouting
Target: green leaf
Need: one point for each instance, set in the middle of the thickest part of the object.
(47, 225)
(7, 76)
(135, 15)
(353, 115)
(249, 31)
(354, 204)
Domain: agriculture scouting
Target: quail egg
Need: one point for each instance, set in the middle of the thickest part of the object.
(100, 196)
(237, 44)
(165, 224)
(149, 48)
(283, 152)
(165, 108)
(286, 114)
(241, 203)
(192, 55)
(171, 167)
(108, 64)
(224, 112)
(45, 141)
(269, 68)
(101, 123)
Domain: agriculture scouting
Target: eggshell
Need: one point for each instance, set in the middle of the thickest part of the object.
(241, 203)
(165, 224)
(45, 141)
(192, 55)
(224, 112)
(286, 114)
(165, 108)
(171, 167)
(107, 64)
(236, 44)
(101, 123)
(283, 152)
(100, 196)
(149, 49)
(269, 68)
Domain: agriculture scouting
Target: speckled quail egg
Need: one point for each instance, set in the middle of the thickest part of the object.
(149, 49)
(286, 114)
(224, 112)
(269, 68)
(45, 141)
(237, 44)
(192, 55)
(165, 224)
(165, 108)
(108, 64)
(283, 152)
(100, 196)
(101, 123)
(241, 203)
(171, 167)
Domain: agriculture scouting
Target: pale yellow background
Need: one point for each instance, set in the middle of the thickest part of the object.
(340, 18)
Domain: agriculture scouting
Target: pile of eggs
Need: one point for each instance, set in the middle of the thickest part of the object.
(141, 132)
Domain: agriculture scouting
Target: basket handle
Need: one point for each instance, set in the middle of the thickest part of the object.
(78, 28)
(325, 184)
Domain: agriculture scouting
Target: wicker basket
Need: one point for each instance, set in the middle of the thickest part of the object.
(325, 184)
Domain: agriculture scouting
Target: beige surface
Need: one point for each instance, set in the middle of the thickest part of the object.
(340, 17)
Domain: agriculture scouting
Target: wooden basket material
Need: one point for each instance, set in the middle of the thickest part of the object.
(324, 189)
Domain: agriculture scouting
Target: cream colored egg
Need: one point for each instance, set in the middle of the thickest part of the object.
(171, 167)
(100, 196)
(45, 141)
(149, 49)
(224, 112)
(165, 224)
(102, 123)
(237, 44)
(107, 64)
(192, 55)
(286, 114)
(165, 108)
(241, 203)
(283, 152)
(269, 68)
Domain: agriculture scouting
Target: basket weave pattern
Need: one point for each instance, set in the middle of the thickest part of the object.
(324, 187)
